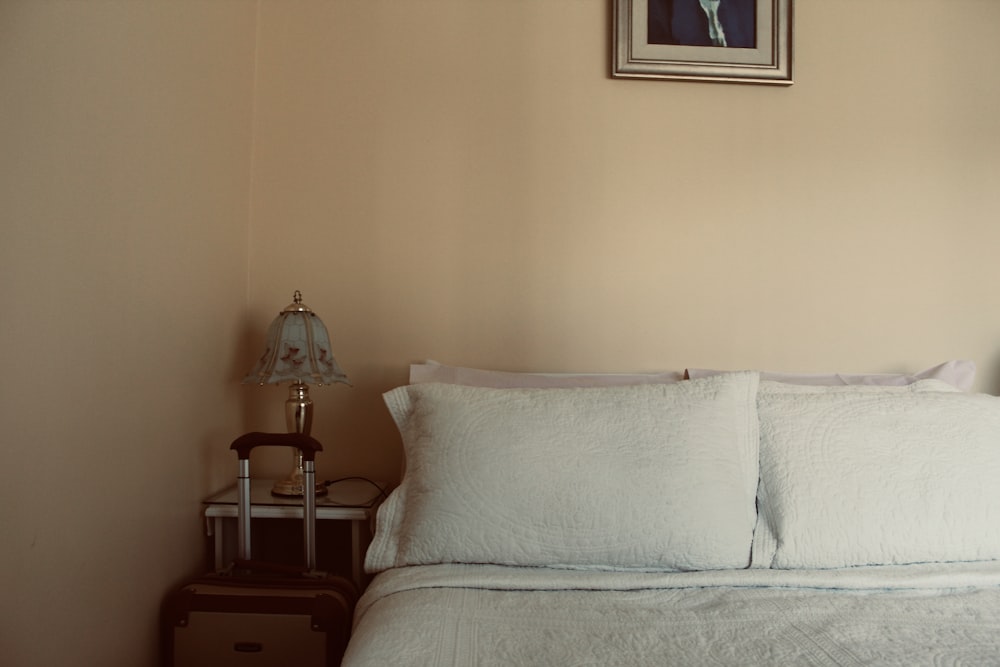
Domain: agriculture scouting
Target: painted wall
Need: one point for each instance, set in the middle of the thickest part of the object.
(442, 179)
(123, 260)
(463, 181)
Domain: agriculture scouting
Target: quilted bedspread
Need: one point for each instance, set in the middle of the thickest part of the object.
(479, 615)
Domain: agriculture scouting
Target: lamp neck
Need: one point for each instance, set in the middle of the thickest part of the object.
(298, 409)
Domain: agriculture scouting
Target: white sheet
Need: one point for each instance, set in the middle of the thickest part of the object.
(478, 615)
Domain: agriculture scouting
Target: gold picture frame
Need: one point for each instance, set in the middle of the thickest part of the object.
(765, 57)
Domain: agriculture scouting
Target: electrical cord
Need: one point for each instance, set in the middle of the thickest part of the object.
(382, 493)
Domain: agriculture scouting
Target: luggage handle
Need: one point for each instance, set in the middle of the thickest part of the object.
(308, 446)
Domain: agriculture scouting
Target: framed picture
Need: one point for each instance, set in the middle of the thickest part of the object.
(742, 41)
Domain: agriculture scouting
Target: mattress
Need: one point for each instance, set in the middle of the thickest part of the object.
(477, 615)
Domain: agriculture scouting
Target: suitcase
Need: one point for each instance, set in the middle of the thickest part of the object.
(259, 614)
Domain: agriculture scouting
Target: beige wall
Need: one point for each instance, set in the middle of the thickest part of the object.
(448, 179)
(124, 184)
(467, 184)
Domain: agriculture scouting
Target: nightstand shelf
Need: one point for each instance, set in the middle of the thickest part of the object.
(353, 500)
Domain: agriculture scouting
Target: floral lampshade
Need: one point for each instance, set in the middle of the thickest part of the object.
(297, 350)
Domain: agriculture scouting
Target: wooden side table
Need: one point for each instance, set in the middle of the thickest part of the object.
(350, 500)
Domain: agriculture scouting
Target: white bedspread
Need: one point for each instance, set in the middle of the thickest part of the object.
(478, 615)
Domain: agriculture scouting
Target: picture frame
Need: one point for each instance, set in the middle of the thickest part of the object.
(683, 40)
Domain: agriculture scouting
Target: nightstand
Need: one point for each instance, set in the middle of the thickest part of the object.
(351, 500)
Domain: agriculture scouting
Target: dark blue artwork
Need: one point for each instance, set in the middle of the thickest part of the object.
(730, 23)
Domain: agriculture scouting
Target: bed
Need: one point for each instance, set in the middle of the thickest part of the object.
(697, 518)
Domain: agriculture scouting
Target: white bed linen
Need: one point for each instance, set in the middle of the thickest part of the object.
(478, 615)
(853, 476)
(648, 477)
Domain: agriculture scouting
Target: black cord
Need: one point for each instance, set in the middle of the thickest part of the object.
(382, 493)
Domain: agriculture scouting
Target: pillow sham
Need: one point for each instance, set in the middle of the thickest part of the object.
(958, 373)
(432, 371)
(855, 476)
(658, 477)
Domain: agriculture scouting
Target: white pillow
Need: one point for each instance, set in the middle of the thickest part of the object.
(659, 477)
(432, 371)
(958, 373)
(876, 476)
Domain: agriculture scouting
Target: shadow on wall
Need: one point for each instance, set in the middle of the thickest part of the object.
(994, 387)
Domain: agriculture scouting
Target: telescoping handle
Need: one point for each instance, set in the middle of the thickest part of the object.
(308, 446)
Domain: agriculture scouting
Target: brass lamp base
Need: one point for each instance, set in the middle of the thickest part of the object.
(289, 488)
(298, 416)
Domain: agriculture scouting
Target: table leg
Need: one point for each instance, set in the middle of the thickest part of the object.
(357, 564)
(219, 555)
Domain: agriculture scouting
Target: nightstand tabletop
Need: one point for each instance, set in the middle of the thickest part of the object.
(351, 499)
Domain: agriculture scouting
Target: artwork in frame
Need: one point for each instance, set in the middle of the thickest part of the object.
(742, 41)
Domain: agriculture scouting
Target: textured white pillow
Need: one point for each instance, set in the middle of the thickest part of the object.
(958, 373)
(658, 477)
(432, 371)
(876, 476)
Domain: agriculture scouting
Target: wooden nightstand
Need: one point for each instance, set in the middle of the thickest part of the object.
(350, 500)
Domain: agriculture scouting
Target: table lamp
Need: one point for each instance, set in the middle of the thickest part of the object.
(297, 351)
